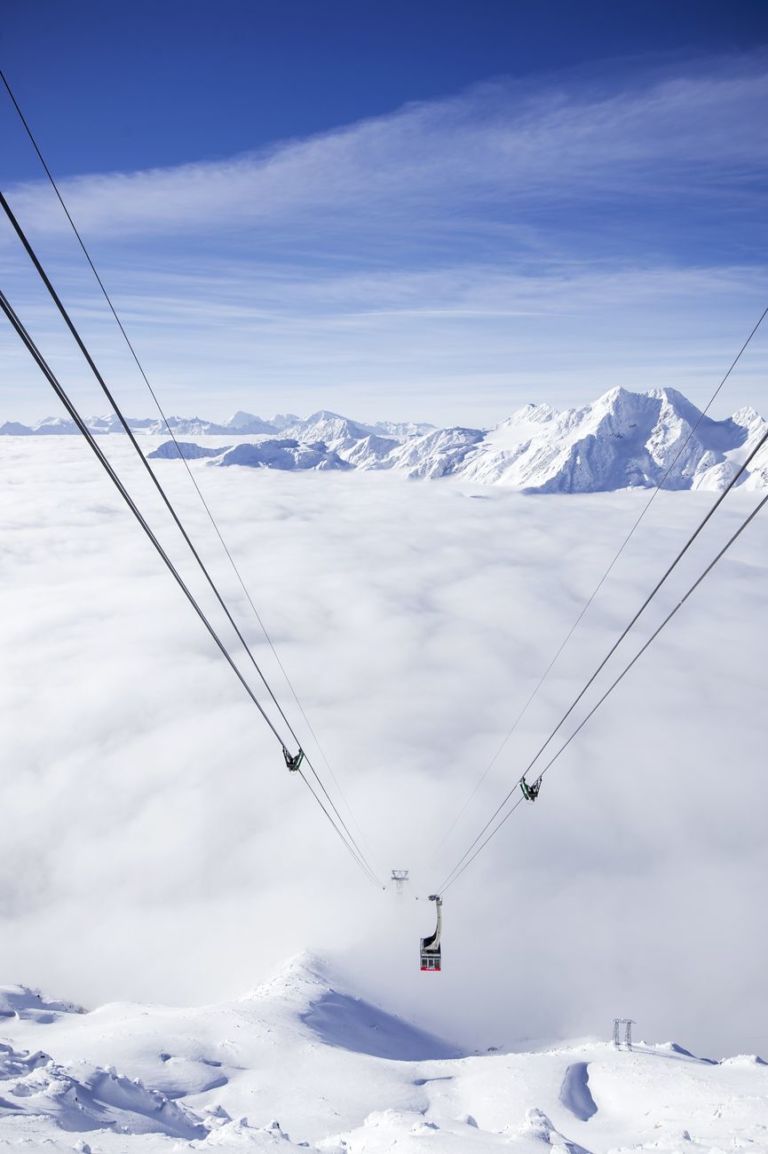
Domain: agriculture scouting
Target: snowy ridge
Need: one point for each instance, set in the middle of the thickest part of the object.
(622, 440)
(132, 1077)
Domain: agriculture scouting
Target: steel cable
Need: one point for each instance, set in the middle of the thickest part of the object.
(457, 872)
(61, 393)
(166, 500)
(734, 480)
(159, 407)
(588, 604)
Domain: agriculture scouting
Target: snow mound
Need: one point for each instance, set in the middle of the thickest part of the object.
(744, 1060)
(575, 1093)
(538, 1132)
(674, 1049)
(22, 1002)
(90, 1099)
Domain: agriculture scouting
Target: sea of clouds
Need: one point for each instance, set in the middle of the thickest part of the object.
(155, 847)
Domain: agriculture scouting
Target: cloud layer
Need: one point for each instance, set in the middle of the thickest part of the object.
(154, 845)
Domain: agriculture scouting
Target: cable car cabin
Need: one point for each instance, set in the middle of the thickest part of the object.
(430, 962)
(430, 947)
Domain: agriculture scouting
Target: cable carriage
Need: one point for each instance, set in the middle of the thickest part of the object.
(430, 947)
(293, 761)
(530, 788)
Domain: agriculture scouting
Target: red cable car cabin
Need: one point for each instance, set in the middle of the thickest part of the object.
(430, 947)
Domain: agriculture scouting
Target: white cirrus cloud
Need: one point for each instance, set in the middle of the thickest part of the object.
(459, 257)
(499, 144)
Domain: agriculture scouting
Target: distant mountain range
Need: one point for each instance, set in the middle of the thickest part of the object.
(622, 440)
(241, 424)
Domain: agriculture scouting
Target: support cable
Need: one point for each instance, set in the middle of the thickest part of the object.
(734, 481)
(459, 870)
(171, 433)
(166, 500)
(61, 393)
(588, 604)
(132, 437)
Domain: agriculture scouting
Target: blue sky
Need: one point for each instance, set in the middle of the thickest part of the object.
(437, 211)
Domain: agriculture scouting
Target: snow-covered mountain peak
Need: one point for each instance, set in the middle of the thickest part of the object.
(306, 974)
(626, 410)
(333, 430)
(242, 422)
(323, 415)
(747, 416)
(307, 995)
(241, 418)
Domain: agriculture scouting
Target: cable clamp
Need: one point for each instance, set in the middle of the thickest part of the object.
(293, 761)
(530, 789)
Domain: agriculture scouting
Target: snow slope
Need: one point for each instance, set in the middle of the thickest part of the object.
(623, 440)
(300, 1063)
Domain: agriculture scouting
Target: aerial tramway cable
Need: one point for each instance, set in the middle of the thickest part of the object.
(105, 463)
(132, 437)
(459, 870)
(91, 440)
(590, 600)
(171, 433)
(734, 480)
(166, 500)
